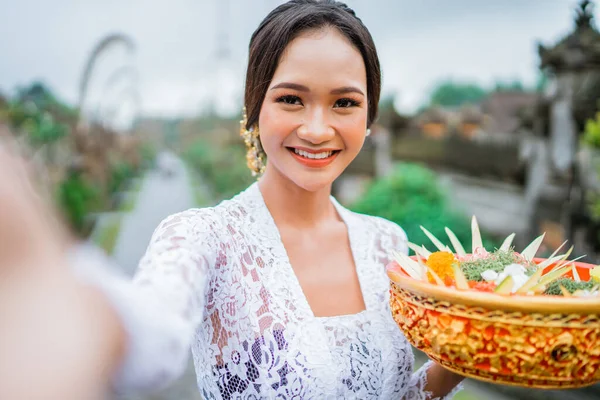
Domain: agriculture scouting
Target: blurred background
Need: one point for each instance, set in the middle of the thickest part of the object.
(132, 113)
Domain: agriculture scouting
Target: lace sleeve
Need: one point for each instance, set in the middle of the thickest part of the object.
(176, 264)
(416, 387)
(162, 306)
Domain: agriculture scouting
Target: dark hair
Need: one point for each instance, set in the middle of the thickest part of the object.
(283, 25)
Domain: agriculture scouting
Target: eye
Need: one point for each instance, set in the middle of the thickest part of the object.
(346, 103)
(290, 100)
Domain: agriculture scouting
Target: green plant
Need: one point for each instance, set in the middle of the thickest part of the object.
(77, 199)
(591, 138)
(570, 285)
(591, 134)
(120, 173)
(38, 113)
(496, 262)
(223, 167)
(412, 197)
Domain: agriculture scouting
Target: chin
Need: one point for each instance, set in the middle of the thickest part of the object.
(309, 179)
(312, 185)
(313, 181)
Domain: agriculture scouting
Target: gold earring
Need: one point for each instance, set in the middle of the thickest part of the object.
(255, 155)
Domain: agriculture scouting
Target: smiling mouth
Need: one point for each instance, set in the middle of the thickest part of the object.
(313, 156)
(314, 159)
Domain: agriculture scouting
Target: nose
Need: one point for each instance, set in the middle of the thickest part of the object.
(316, 129)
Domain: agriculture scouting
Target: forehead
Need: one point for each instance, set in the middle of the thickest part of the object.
(323, 57)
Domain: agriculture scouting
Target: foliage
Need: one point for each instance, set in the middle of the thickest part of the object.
(591, 134)
(39, 125)
(223, 167)
(496, 261)
(77, 198)
(593, 205)
(411, 197)
(45, 130)
(43, 98)
(40, 119)
(591, 138)
(454, 94)
(120, 173)
(514, 86)
(569, 284)
(35, 111)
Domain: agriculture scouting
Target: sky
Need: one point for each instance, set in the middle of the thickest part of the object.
(174, 70)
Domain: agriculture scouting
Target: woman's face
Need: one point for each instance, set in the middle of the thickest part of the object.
(313, 119)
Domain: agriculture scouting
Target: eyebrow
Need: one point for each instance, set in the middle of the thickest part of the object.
(347, 89)
(302, 88)
(289, 85)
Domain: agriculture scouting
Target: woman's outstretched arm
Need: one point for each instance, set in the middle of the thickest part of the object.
(162, 306)
(59, 338)
(69, 322)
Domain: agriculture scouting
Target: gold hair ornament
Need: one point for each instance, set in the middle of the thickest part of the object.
(255, 155)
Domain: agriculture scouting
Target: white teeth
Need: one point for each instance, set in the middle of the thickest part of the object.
(316, 156)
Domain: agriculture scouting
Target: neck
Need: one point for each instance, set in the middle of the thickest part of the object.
(291, 205)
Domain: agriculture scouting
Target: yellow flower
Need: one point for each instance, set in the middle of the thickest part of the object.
(441, 263)
(595, 273)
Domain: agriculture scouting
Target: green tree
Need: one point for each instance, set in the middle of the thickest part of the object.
(514, 86)
(455, 94)
(37, 112)
(412, 197)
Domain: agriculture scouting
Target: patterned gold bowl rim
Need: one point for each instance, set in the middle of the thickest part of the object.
(515, 303)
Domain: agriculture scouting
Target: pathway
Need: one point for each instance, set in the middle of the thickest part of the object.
(160, 196)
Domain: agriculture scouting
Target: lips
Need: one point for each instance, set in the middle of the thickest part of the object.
(314, 158)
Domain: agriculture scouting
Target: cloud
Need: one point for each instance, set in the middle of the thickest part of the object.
(420, 42)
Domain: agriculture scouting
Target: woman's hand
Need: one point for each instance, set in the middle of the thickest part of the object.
(30, 231)
(441, 381)
(59, 338)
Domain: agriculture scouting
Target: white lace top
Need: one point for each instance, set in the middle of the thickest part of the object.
(219, 280)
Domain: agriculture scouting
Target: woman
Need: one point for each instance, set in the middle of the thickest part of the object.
(281, 292)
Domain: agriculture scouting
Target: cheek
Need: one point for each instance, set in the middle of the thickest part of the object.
(355, 133)
(266, 114)
(274, 126)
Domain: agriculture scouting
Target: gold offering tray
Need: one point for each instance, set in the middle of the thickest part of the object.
(533, 341)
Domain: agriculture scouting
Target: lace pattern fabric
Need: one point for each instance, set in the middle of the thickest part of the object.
(225, 273)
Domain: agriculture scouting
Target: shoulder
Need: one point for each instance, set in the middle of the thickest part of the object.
(181, 227)
(184, 220)
(379, 226)
(208, 221)
(386, 233)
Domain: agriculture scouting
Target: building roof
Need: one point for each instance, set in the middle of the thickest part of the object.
(578, 50)
(505, 109)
